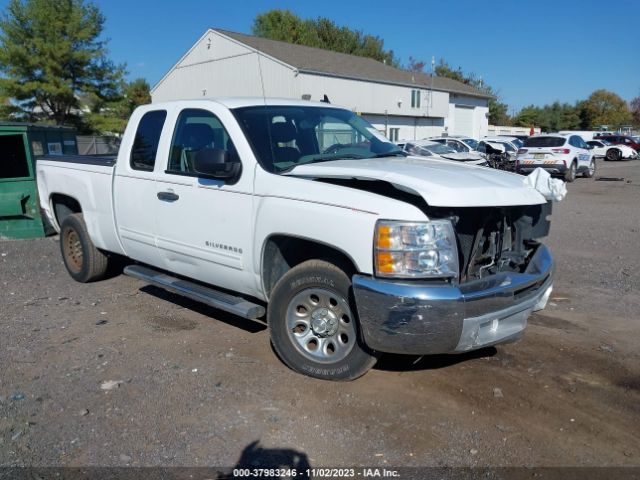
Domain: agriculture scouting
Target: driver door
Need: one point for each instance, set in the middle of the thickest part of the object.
(204, 227)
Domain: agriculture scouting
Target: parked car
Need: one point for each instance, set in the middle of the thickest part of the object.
(499, 151)
(518, 142)
(566, 155)
(459, 143)
(434, 150)
(510, 145)
(603, 149)
(621, 140)
(305, 213)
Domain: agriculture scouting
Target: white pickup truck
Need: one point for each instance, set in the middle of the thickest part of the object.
(303, 212)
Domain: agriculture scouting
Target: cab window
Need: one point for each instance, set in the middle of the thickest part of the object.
(197, 132)
(145, 143)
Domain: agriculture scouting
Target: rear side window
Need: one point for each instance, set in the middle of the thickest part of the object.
(145, 143)
(544, 142)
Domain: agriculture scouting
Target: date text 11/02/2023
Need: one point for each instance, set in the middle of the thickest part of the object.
(315, 473)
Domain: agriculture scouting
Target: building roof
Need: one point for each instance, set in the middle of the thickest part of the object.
(325, 62)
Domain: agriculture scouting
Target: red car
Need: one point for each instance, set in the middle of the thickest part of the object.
(620, 140)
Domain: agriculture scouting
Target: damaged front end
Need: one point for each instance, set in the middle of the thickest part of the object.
(505, 273)
(495, 239)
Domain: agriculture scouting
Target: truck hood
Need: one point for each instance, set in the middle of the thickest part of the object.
(441, 183)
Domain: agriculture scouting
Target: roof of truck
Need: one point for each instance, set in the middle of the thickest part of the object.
(238, 102)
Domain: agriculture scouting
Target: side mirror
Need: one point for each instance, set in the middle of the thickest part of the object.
(216, 163)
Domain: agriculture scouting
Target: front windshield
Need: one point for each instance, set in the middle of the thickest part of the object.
(283, 137)
(471, 142)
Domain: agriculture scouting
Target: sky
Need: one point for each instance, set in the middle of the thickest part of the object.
(530, 52)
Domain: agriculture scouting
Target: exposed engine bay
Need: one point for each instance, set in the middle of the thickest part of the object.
(490, 239)
(497, 239)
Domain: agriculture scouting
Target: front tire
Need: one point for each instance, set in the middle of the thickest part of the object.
(570, 174)
(313, 323)
(84, 262)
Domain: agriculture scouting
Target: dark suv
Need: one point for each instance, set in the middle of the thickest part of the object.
(620, 140)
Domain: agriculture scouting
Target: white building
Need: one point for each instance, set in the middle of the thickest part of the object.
(402, 104)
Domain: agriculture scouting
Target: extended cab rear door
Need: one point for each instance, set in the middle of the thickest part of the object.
(134, 188)
(204, 227)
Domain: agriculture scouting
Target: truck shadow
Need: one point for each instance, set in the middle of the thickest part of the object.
(407, 363)
(251, 326)
(254, 456)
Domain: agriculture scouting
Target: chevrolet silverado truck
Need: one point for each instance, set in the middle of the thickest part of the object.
(304, 213)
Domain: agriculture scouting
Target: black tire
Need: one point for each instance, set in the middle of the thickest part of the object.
(613, 155)
(84, 262)
(297, 321)
(570, 173)
(591, 169)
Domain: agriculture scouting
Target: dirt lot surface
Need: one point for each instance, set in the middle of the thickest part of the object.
(118, 373)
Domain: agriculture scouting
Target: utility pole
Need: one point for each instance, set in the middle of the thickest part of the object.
(433, 72)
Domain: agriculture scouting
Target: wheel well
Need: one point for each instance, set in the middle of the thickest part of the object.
(282, 252)
(63, 206)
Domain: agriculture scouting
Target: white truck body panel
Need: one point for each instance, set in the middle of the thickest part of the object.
(90, 186)
(439, 182)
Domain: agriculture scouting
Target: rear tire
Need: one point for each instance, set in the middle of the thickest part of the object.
(84, 262)
(613, 155)
(314, 325)
(570, 174)
(591, 170)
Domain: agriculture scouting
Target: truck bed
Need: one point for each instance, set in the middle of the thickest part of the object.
(103, 160)
(87, 180)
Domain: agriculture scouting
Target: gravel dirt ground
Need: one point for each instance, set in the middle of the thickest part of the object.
(117, 373)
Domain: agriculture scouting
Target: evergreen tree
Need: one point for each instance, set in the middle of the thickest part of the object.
(51, 56)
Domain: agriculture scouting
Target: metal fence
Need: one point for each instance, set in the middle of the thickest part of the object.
(96, 145)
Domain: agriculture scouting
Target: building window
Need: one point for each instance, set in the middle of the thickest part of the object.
(394, 134)
(415, 98)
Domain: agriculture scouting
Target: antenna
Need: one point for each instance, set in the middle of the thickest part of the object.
(264, 97)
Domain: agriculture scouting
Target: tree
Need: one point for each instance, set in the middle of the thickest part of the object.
(550, 118)
(604, 108)
(51, 56)
(527, 117)
(416, 66)
(112, 116)
(323, 33)
(498, 111)
(444, 70)
(634, 106)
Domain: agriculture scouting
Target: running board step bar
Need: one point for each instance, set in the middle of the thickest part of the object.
(220, 300)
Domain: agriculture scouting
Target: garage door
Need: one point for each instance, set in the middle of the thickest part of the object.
(464, 121)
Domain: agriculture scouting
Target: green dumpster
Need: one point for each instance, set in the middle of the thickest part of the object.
(20, 145)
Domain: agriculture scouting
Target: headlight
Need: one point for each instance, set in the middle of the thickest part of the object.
(415, 249)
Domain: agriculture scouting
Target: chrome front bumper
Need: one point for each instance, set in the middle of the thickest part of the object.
(426, 318)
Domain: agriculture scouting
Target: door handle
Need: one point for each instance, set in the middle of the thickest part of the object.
(168, 196)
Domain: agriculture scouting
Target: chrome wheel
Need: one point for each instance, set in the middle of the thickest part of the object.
(320, 325)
